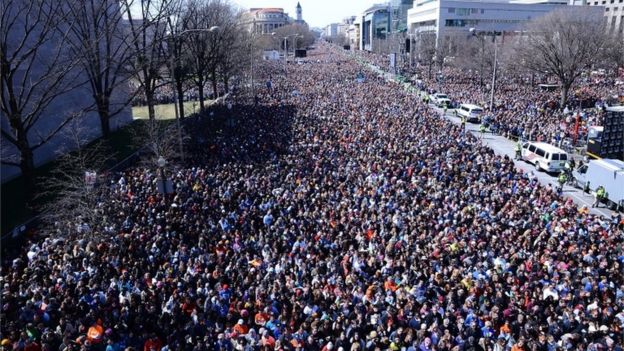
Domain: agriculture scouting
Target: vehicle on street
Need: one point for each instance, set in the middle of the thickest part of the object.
(608, 173)
(471, 112)
(545, 157)
(440, 99)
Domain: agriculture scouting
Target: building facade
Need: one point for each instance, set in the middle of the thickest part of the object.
(331, 30)
(455, 17)
(375, 26)
(267, 20)
(613, 12)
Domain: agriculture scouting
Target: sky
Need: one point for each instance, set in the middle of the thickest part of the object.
(317, 13)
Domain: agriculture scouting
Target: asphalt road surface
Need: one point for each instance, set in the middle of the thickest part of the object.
(504, 146)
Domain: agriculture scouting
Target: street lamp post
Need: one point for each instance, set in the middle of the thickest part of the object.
(474, 32)
(161, 163)
(175, 95)
(286, 52)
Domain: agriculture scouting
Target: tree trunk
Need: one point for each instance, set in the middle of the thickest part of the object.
(180, 92)
(104, 123)
(149, 96)
(213, 79)
(104, 117)
(565, 88)
(226, 83)
(27, 166)
(200, 90)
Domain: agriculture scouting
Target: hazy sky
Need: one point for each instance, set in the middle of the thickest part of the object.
(318, 13)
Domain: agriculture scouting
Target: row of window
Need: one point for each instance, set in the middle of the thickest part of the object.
(474, 22)
(465, 11)
(604, 2)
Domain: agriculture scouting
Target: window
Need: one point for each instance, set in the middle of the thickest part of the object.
(563, 157)
(540, 152)
(451, 10)
(483, 10)
(555, 157)
(532, 148)
(606, 9)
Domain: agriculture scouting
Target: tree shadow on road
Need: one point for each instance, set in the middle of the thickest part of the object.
(241, 134)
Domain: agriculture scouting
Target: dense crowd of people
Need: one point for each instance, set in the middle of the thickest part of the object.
(521, 107)
(336, 215)
(164, 93)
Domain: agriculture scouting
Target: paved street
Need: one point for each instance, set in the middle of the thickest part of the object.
(504, 146)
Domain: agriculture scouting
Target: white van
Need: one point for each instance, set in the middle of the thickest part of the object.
(471, 112)
(544, 156)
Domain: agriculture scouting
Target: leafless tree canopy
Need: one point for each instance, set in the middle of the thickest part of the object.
(146, 36)
(563, 43)
(304, 37)
(66, 196)
(99, 40)
(35, 70)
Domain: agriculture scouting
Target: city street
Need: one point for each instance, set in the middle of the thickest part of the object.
(504, 146)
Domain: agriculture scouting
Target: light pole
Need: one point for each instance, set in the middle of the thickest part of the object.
(474, 32)
(286, 52)
(161, 163)
(172, 74)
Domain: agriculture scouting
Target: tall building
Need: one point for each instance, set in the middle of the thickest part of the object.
(613, 12)
(399, 10)
(331, 30)
(299, 13)
(375, 26)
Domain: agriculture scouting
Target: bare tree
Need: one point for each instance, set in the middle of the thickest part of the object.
(146, 35)
(97, 38)
(304, 37)
(426, 50)
(67, 194)
(201, 44)
(35, 72)
(613, 53)
(564, 43)
(159, 138)
(235, 55)
(177, 58)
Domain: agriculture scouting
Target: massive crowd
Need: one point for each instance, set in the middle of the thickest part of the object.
(521, 107)
(339, 215)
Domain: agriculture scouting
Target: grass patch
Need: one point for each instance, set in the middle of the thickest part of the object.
(165, 111)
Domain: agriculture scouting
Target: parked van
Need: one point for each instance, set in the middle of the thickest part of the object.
(544, 156)
(472, 113)
(606, 172)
